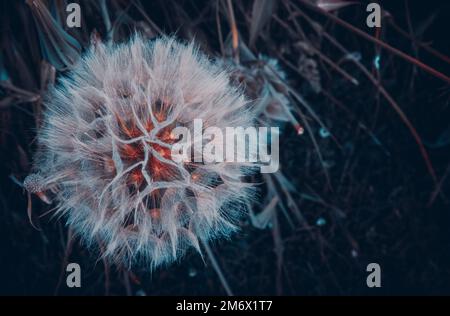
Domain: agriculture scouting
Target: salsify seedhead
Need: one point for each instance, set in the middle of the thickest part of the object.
(105, 150)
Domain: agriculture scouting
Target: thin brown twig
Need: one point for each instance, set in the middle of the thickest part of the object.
(216, 267)
(420, 44)
(67, 252)
(438, 189)
(219, 30)
(386, 46)
(386, 95)
(234, 31)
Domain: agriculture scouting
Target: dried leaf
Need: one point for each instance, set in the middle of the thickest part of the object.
(30, 211)
(331, 5)
(58, 47)
(261, 13)
(262, 219)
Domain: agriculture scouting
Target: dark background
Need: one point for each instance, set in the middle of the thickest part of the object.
(381, 206)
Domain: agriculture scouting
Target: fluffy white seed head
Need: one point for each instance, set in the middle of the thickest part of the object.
(33, 183)
(104, 150)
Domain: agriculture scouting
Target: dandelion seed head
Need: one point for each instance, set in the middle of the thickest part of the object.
(104, 150)
(33, 183)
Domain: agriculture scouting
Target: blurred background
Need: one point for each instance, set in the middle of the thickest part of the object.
(365, 145)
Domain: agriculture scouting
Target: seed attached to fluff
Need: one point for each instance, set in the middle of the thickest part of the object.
(34, 183)
(105, 150)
